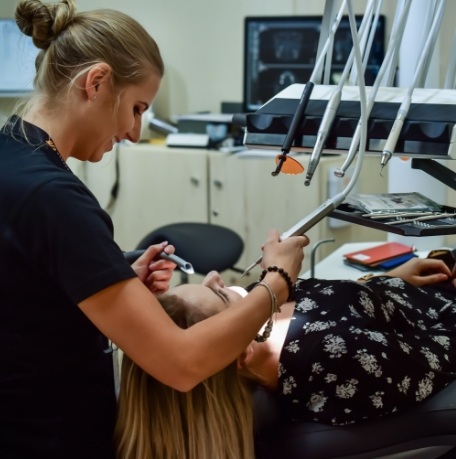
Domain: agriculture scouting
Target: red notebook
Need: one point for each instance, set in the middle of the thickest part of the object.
(374, 255)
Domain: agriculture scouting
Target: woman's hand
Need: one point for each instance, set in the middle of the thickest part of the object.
(422, 271)
(153, 271)
(287, 254)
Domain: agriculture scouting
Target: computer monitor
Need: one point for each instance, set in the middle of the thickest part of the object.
(17, 57)
(282, 50)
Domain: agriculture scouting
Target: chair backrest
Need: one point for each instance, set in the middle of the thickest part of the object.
(207, 247)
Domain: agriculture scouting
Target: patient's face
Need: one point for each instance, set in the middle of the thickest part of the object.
(211, 293)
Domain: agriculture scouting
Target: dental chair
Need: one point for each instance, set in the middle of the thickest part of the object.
(206, 246)
(426, 432)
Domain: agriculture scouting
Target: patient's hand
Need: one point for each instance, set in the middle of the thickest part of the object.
(153, 271)
(422, 271)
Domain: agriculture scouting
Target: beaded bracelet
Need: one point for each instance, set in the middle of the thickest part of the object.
(284, 274)
(274, 308)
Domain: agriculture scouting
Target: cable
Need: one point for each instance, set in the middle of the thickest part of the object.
(393, 43)
(451, 71)
(373, 30)
(391, 74)
(302, 105)
(333, 104)
(404, 108)
(429, 16)
(332, 32)
(363, 106)
(364, 43)
(329, 15)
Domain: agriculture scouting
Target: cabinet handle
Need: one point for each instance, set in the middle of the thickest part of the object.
(194, 180)
(218, 183)
(215, 212)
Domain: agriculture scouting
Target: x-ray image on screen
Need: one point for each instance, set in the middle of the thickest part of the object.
(280, 51)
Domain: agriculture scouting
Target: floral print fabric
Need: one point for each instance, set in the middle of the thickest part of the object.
(359, 351)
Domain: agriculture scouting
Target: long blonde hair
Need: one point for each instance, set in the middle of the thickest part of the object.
(71, 43)
(212, 421)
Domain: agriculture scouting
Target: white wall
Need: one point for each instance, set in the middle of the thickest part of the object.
(202, 43)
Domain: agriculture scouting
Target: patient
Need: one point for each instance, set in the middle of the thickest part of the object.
(214, 420)
(342, 352)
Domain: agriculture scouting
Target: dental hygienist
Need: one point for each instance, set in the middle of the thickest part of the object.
(65, 287)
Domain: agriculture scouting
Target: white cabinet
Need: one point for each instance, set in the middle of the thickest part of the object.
(158, 187)
(245, 196)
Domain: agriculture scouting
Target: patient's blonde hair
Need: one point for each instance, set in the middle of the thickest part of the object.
(212, 421)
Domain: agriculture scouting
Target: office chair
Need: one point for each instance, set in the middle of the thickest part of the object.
(427, 431)
(207, 247)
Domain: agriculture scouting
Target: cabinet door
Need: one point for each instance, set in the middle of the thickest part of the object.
(370, 181)
(158, 186)
(246, 197)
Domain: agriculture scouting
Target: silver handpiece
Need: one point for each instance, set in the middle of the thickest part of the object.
(183, 265)
(305, 224)
(325, 126)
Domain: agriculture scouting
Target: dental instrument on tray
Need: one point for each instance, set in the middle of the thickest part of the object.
(380, 216)
(422, 218)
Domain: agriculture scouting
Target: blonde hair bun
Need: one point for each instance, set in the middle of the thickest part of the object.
(44, 21)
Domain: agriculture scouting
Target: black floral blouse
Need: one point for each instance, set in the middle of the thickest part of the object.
(359, 351)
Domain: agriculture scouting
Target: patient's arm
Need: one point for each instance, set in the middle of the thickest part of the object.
(422, 271)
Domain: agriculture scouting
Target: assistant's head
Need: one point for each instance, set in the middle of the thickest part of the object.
(212, 420)
(102, 62)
